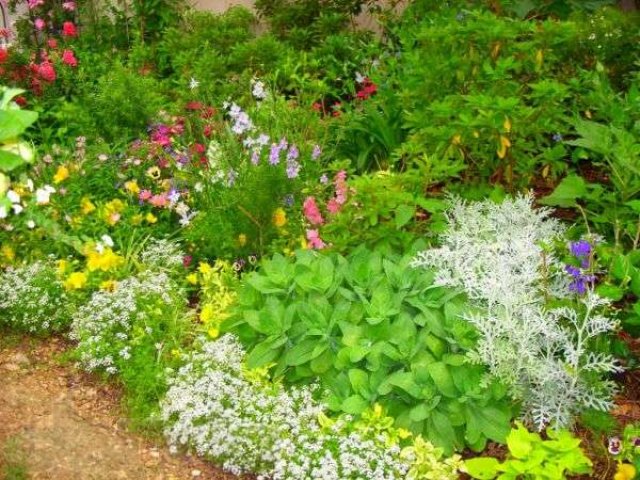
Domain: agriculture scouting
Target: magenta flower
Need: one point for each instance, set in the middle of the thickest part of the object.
(69, 6)
(39, 23)
(69, 58)
(315, 241)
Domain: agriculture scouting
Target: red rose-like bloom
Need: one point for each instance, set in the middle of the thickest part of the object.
(69, 29)
(20, 100)
(69, 58)
(3, 55)
(53, 43)
(193, 106)
(207, 130)
(47, 72)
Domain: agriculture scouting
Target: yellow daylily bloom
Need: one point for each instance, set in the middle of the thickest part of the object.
(204, 268)
(213, 332)
(87, 206)
(132, 187)
(136, 219)
(105, 260)
(207, 313)
(151, 218)
(61, 174)
(76, 281)
(192, 278)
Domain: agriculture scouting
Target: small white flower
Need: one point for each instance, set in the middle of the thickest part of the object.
(107, 240)
(17, 208)
(43, 195)
(13, 196)
(193, 83)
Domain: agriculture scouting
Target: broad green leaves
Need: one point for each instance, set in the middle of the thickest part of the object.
(372, 330)
(13, 123)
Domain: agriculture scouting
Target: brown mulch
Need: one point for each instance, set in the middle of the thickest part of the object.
(72, 426)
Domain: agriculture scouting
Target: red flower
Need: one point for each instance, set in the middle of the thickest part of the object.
(69, 58)
(199, 148)
(208, 112)
(317, 106)
(21, 101)
(193, 106)
(69, 29)
(368, 89)
(3, 55)
(47, 72)
(207, 130)
(53, 43)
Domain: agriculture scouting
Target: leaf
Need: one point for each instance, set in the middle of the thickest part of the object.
(634, 204)
(404, 214)
(482, 468)
(442, 378)
(265, 352)
(303, 352)
(570, 189)
(9, 161)
(354, 405)
(14, 122)
(519, 442)
(611, 292)
(359, 381)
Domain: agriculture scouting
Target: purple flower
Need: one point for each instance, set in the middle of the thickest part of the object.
(293, 153)
(581, 248)
(317, 151)
(255, 157)
(274, 154)
(293, 169)
(231, 178)
(288, 200)
(573, 271)
(324, 179)
(239, 264)
(636, 441)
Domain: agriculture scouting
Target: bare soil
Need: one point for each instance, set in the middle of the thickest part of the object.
(57, 423)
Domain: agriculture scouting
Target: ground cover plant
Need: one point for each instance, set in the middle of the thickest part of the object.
(306, 250)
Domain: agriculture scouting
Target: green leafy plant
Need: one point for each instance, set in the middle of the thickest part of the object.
(13, 123)
(531, 457)
(372, 330)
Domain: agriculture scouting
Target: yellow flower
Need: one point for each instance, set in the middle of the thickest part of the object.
(192, 278)
(166, 184)
(456, 139)
(108, 285)
(176, 353)
(62, 267)
(112, 211)
(213, 332)
(279, 218)
(207, 313)
(87, 206)
(75, 281)
(507, 125)
(504, 145)
(625, 471)
(61, 174)
(154, 172)
(242, 239)
(151, 218)
(8, 253)
(137, 219)
(132, 187)
(204, 268)
(105, 260)
(402, 433)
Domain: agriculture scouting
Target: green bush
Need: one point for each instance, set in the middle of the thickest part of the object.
(372, 330)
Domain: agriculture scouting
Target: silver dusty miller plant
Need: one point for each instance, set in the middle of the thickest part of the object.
(496, 253)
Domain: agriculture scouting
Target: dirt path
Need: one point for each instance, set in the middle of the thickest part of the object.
(56, 423)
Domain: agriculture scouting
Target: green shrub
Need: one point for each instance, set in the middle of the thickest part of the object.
(372, 330)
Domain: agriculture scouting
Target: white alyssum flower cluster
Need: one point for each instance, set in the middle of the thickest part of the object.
(162, 254)
(107, 327)
(495, 253)
(32, 298)
(252, 425)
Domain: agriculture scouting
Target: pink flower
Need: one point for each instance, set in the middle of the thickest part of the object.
(69, 58)
(69, 6)
(52, 43)
(159, 200)
(39, 23)
(312, 212)
(35, 3)
(144, 195)
(69, 29)
(333, 206)
(340, 182)
(315, 241)
(47, 72)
